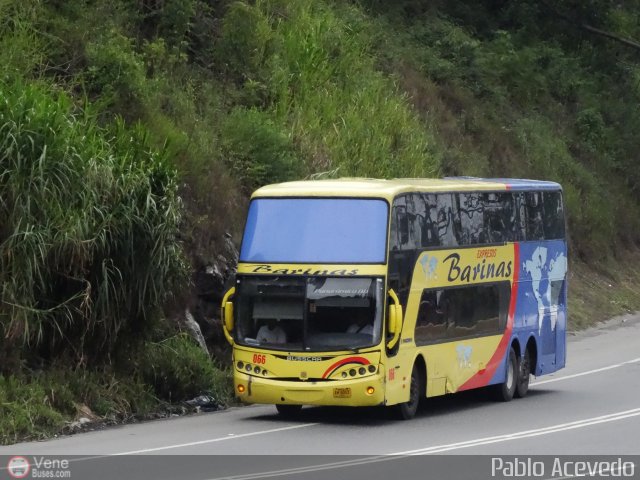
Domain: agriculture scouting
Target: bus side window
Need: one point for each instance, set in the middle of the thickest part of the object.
(500, 217)
(402, 223)
(472, 218)
(431, 324)
(448, 220)
(402, 254)
(521, 217)
(535, 225)
(429, 221)
(415, 220)
(399, 225)
(553, 216)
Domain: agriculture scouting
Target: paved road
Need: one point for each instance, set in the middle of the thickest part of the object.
(592, 407)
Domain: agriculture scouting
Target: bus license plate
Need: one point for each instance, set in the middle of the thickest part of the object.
(342, 392)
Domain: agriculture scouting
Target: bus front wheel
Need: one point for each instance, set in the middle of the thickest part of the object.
(289, 411)
(504, 391)
(407, 410)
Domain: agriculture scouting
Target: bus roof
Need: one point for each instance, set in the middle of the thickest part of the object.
(369, 187)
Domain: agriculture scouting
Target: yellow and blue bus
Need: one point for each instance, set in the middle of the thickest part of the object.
(362, 292)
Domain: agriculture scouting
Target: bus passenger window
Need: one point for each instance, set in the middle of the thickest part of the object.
(500, 217)
(472, 218)
(462, 312)
(448, 219)
(553, 216)
(429, 233)
(399, 225)
(431, 324)
(535, 228)
(402, 225)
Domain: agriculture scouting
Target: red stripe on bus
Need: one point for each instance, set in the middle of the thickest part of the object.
(483, 377)
(344, 361)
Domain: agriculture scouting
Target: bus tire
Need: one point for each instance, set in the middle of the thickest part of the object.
(407, 410)
(504, 392)
(289, 411)
(524, 375)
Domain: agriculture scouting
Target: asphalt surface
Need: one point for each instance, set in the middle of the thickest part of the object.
(592, 407)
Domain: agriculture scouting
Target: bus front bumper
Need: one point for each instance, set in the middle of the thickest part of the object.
(360, 392)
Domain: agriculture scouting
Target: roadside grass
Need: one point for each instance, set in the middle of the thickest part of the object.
(600, 292)
(152, 383)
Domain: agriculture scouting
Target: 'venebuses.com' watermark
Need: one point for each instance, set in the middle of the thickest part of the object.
(560, 468)
(39, 467)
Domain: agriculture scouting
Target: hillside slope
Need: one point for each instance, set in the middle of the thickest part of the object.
(154, 120)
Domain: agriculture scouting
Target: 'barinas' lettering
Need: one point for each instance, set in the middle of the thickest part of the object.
(479, 271)
(309, 271)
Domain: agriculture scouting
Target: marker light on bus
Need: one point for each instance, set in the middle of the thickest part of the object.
(241, 388)
(370, 390)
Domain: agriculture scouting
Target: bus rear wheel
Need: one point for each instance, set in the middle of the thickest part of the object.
(524, 374)
(407, 410)
(289, 411)
(504, 392)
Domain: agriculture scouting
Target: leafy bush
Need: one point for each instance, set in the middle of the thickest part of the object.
(256, 149)
(244, 44)
(178, 370)
(115, 76)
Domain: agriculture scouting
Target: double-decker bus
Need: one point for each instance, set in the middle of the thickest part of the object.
(362, 292)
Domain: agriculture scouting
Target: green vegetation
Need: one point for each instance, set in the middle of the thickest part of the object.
(177, 369)
(132, 132)
(143, 386)
(89, 224)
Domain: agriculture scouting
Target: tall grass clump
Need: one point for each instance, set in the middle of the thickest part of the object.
(88, 224)
(21, 47)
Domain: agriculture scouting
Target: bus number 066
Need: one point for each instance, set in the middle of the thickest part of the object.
(260, 359)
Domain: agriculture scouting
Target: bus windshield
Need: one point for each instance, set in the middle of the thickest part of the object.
(315, 230)
(309, 314)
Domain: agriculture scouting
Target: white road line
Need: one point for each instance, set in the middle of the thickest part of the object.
(612, 417)
(214, 440)
(588, 372)
(263, 432)
(442, 448)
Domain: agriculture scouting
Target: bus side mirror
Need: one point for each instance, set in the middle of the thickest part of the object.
(227, 315)
(394, 319)
(394, 323)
